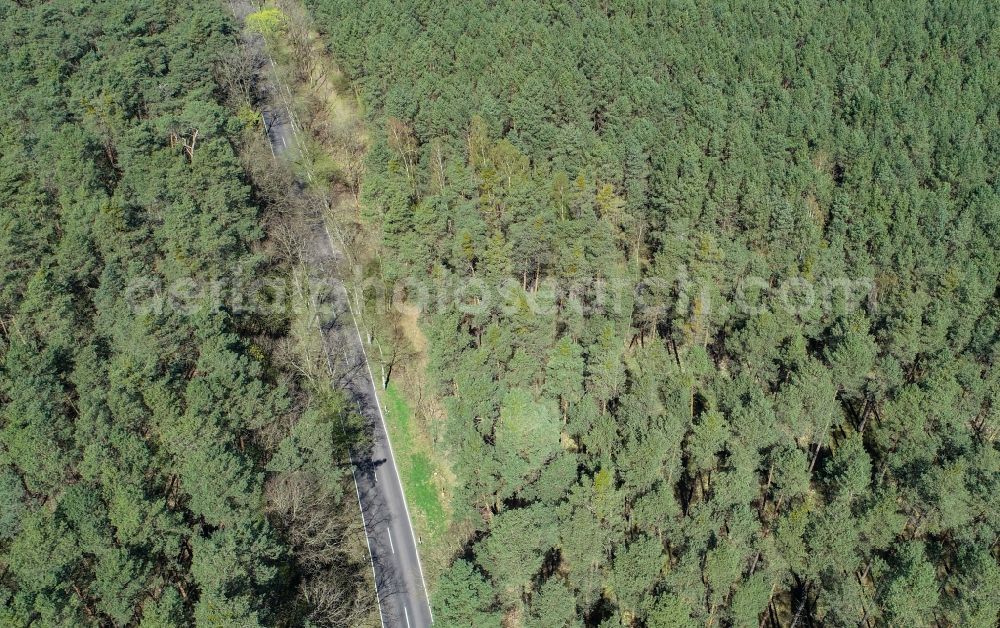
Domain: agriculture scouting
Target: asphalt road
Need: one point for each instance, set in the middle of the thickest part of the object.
(392, 542)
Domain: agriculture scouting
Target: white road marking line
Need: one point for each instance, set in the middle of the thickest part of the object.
(389, 532)
(357, 492)
(368, 541)
(375, 473)
(385, 430)
(283, 142)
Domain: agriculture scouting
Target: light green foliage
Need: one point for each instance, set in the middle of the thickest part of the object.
(464, 599)
(416, 467)
(512, 554)
(791, 473)
(739, 454)
(750, 600)
(119, 580)
(317, 438)
(564, 372)
(12, 504)
(233, 567)
(268, 22)
(635, 573)
(42, 554)
(978, 577)
(708, 437)
(912, 590)
(669, 612)
(552, 605)
(165, 612)
(526, 436)
(810, 197)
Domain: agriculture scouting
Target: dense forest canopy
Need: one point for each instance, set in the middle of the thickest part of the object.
(782, 461)
(151, 436)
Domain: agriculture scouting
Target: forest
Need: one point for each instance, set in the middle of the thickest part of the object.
(164, 460)
(710, 293)
(790, 416)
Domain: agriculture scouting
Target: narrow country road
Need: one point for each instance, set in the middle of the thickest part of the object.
(392, 543)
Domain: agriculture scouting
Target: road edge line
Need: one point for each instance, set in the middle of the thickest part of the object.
(385, 428)
(326, 352)
(357, 491)
(368, 541)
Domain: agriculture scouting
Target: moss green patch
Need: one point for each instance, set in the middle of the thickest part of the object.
(423, 493)
(398, 410)
(415, 466)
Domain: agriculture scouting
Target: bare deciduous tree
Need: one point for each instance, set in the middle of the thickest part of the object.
(237, 70)
(319, 530)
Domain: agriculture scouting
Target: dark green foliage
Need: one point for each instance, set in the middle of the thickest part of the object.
(466, 598)
(132, 451)
(744, 452)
